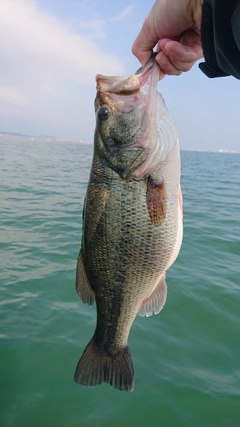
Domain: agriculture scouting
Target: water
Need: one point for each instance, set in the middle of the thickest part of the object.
(186, 359)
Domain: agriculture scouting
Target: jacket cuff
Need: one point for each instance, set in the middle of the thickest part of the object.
(210, 67)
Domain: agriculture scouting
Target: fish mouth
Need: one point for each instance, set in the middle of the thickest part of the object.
(113, 90)
(131, 135)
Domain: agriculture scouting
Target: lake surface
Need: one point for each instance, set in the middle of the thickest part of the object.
(186, 359)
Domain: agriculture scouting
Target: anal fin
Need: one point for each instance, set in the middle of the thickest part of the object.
(83, 287)
(156, 300)
(156, 201)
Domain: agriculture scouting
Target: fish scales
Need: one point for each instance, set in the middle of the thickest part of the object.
(132, 226)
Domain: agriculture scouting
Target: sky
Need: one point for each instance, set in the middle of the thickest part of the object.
(51, 50)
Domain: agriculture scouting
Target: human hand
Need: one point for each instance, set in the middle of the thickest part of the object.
(173, 26)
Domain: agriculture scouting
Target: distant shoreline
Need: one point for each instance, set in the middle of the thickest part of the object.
(16, 135)
(19, 136)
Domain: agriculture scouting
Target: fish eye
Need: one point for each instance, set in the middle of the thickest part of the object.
(103, 113)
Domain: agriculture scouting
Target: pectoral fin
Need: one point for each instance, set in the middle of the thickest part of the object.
(83, 287)
(155, 302)
(156, 201)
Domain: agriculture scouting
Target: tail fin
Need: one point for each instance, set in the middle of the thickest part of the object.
(95, 367)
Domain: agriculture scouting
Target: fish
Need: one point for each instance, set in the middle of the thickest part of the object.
(132, 220)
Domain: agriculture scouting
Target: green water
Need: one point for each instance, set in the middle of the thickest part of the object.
(186, 359)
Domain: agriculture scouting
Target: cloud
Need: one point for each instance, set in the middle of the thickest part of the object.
(10, 95)
(94, 28)
(128, 11)
(42, 60)
(94, 25)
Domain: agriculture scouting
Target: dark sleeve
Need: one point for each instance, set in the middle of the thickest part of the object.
(220, 34)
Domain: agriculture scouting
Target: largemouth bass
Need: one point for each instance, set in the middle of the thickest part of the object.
(132, 220)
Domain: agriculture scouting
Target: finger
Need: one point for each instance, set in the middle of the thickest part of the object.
(161, 74)
(178, 64)
(181, 57)
(166, 66)
(141, 49)
(170, 65)
(183, 53)
(145, 42)
(188, 48)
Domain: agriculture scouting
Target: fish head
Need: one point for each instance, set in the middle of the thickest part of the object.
(125, 109)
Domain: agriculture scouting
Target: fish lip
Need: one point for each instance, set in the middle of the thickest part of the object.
(117, 85)
(126, 86)
(148, 64)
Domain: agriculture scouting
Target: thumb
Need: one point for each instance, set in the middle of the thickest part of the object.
(144, 43)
